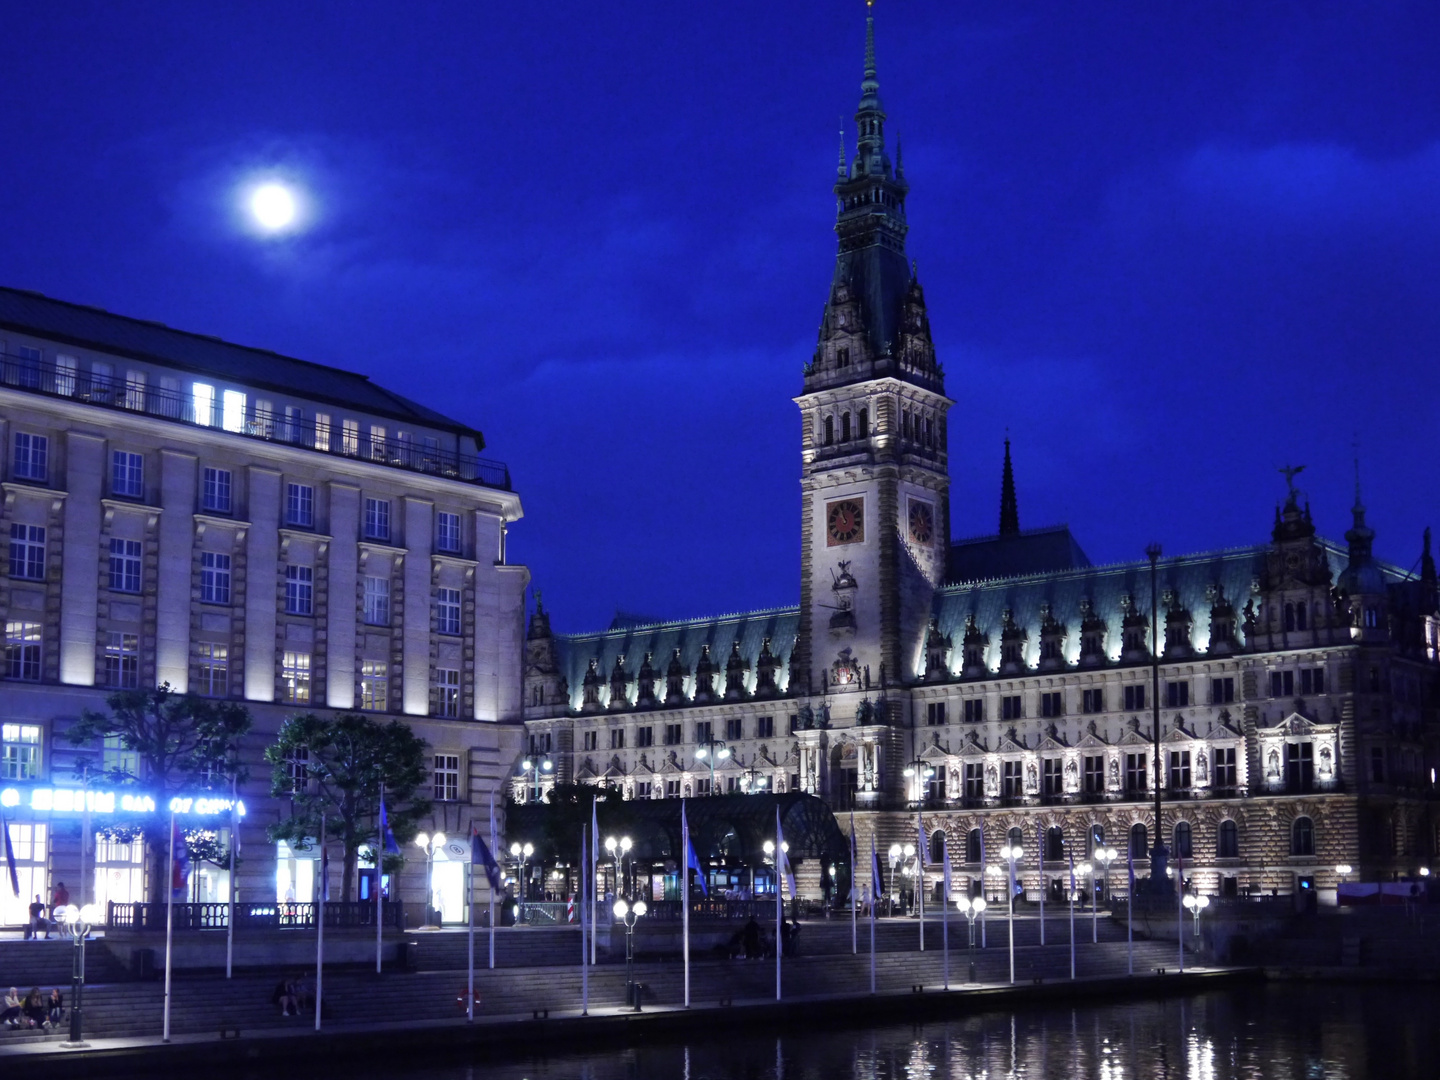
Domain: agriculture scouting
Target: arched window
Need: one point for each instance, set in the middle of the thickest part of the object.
(1139, 841)
(1289, 616)
(937, 846)
(1300, 615)
(862, 424)
(829, 430)
(1096, 837)
(1227, 844)
(1016, 837)
(1183, 848)
(973, 845)
(1302, 837)
(845, 427)
(1054, 844)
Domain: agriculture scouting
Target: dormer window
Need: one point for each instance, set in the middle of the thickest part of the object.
(842, 356)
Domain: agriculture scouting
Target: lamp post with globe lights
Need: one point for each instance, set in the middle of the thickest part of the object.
(521, 854)
(618, 850)
(919, 773)
(629, 914)
(708, 751)
(77, 923)
(972, 908)
(1104, 856)
(1011, 853)
(1195, 905)
(430, 845)
(535, 772)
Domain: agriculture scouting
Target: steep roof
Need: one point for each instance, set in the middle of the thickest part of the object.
(119, 335)
(1032, 551)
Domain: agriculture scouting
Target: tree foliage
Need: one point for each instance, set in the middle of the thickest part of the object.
(172, 744)
(335, 766)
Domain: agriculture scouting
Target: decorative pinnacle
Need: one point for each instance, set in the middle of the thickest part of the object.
(843, 169)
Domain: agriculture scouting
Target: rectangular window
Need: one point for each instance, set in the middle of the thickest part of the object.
(617, 738)
(374, 685)
(1223, 775)
(733, 728)
(377, 601)
(101, 382)
(1094, 774)
(447, 611)
(1093, 701)
(214, 578)
(27, 552)
(1136, 776)
(377, 519)
(212, 669)
(644, 789)
(122, 660)
(446, 774)
(1177, 695)
(1299, 766)
(1282, 684)
(672, 789)
(232, 410)
(32, 456)
(764, 727)
(19, 752)
(300, 505)
(1051, 703)
(203, 395)
(295, 677)
(974, 780)
(447, 532)
(322, 431)
(1010, 708)
(1010, 777)
(591, 740)
(974, 710)
(1134, 697)
(732, 785)
(1053, 775)
(65, 368)
(135, 390)
(125, 565)
(1312, 681)
(292, 423)
(263, 424)
(350, 437)
(1222, 691)
(645, 736)
(673, 735)
(704, 731)
(297, 768)
(1179, 769)
(215, 491)
(299, 590)
(935, 713)
(377, 442)
(447, 693)
(702, 786)
(22, 651)
(127, 474)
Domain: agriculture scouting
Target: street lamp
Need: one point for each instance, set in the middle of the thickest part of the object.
(971, 909)
(629, 914)
(919, 774)
(521, 854)
(1011, 854)
(709, 750)
(1195, 905)
(618, 849)
(430, 845)
(909, 852)
(77, 923)
(894, 884)
(755, 779)
(534, 772)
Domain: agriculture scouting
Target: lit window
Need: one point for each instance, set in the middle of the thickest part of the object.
(377, 442)
(299, 590)
(214, 577)
(377, 601)
(232, 410)
(204, 395)
(212, 669)
(122, 660)
(377, 519)
(322, 431)
(447, 531)
(135, 390)
(350, 437)
(27, 551)
(374, 685)
(215, 494)
(295, 677)
(447, 693)
(300, 505)
(125, 565)
(32, 456)
(447, 611)
(446, 775)
(65, 368)
(22, 651)
(19, 751)
(127, 474)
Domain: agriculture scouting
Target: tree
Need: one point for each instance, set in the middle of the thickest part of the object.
(170, 744)
(334, 766)
(571, 802)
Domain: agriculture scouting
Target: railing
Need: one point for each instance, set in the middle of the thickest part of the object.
(271, 916)
(273, 426)
(670, 910)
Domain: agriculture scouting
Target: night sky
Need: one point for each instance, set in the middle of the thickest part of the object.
(1171, 247)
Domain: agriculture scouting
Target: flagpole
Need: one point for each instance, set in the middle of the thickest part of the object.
(584, 887)
(854, 890)
(945, 913)
(779, 902)
(1130, 919)
(493, 841)
(920, 875)
(1180, 908)
(1072, 913)
(470, 943)
(874, 895)
(685, 897)
(594, 877)
(1011, 920)
(169, 927)
(230, 908)
(1040, 865)
(379, 875)
(320, 925)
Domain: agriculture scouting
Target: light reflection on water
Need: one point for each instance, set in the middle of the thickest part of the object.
(1284, 1031)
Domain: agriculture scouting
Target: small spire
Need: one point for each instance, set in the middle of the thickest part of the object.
(1009, 507)
(899, 157)
(1355, 447)
(843, 169)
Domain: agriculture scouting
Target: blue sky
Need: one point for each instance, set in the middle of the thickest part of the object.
(1169, 247)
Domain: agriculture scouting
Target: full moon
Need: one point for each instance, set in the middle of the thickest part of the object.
(273, 206)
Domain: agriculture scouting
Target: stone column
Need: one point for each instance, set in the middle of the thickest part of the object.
(85, 471)
(340, 619)
(176, 539)
(262, 557)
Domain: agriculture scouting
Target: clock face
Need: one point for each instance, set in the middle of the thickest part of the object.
(845, 522)
(922, 522)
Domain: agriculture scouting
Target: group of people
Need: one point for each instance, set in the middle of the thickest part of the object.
(754, 943)
(293, 994)
(34, 1010)
(43, 918)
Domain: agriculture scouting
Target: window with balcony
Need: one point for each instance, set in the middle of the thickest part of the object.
(215, 491)
(214, 577)
(447, 532)
(446, 775)
(65, 369)
(20, 752)
(300, 505)
(322, 431)
(32, 457)
(27, 552)
(447, 611)
(22, 650)
(350, 437)
(127, 475)
(232, 410)
(212, 669)
(299, 590)
(295, 677)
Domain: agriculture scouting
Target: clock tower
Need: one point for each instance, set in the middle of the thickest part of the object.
(875, 517)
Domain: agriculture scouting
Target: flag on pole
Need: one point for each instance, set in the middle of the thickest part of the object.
(10, 858)
(1130, 858)
(782, 861)
(692, 860)
(324, 871)
(854, 860)
(480, 853)
(1072, 872)
(180, 867)
(876, 882)
(946, 873)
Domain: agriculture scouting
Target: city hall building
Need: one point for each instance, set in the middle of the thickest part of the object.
(1002, 685)
(245, 526)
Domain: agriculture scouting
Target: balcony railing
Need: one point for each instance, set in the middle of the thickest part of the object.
(272, 426)
(272, 916)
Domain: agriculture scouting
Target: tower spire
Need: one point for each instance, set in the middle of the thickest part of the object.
(1009, 506)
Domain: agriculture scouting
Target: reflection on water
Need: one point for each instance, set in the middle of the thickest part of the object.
(1275, 1032)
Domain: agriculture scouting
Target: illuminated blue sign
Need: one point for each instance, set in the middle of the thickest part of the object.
(78, 800)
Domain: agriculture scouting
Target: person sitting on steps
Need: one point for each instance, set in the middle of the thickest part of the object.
(35, 1015)
(10, 1015)
(55, 1004)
